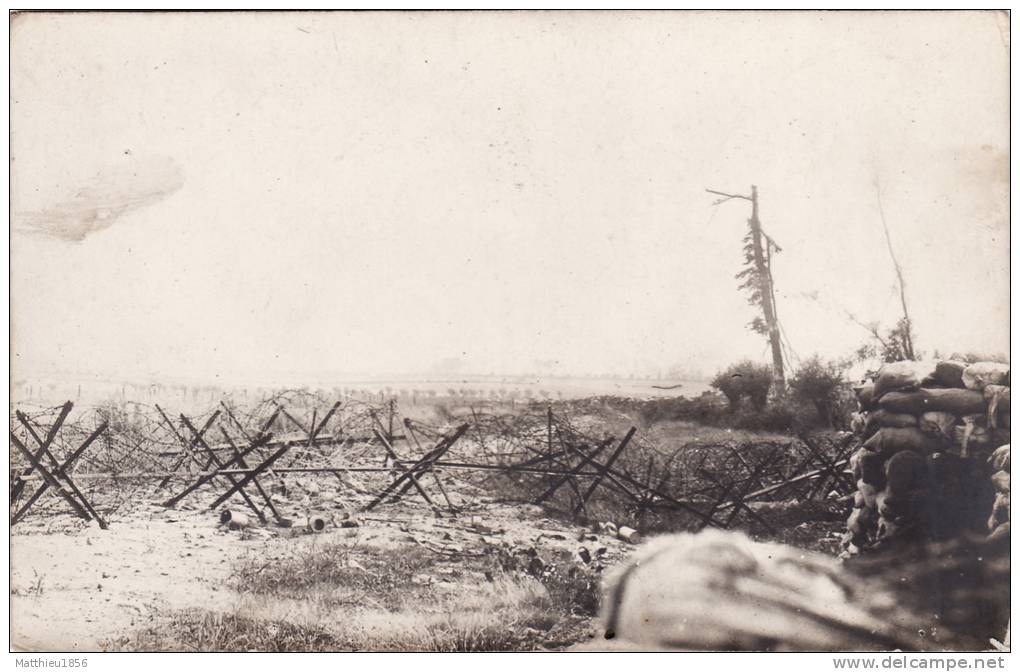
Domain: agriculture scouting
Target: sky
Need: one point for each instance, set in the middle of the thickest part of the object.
(229, 196)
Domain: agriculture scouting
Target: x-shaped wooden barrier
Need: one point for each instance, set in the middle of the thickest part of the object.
(398, 463)
(409, 433)
(231, 468)
(251, 475)
(831, 470)
(56, 472)
(19, 483)
(378, 426)
(237, 423)
(410, 476)
(645, 500)
(738, 498)
(604, 470)
(561, 459)
(830, 467)
(199, 439)
(641, 493)
(314, 427)
(187, 448)
(750, 469)
(572, 473)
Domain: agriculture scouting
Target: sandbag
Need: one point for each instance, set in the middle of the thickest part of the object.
(959, 402)
(721, 591)
(999, 533)
(998, 394)
(972, 434)
(1000, 511)
(894, 509)
(978, 376)
(865, 394)
(905, 506)
(999, 458)
(949, 373)
(862, 524)
(870, 469)
(851, 464)
(997, 397)
(1000, 480)
(947, 470)
(880, 418)
(869, 492)
(906, 375)
(905, 473)
(858, 422)
(891, 440)
(948, 501)
(937, 423)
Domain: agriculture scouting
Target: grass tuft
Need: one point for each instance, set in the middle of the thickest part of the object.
(207, 631)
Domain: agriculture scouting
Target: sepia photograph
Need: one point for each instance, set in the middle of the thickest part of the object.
(510, 331)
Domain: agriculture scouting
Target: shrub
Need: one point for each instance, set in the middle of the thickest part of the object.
(742, 380)
(781, 416)
(819, 383)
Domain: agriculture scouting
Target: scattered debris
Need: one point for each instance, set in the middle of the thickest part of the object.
(234, 520)
(317, 522)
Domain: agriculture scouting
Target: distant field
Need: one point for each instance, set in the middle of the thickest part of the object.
(566, 388)
(53, 391)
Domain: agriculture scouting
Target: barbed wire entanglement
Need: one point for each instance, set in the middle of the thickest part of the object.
(97, 461)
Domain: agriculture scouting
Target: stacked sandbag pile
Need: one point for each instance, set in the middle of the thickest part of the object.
(998, 522)
(934, 459)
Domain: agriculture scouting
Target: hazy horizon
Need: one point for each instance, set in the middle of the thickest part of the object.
(342, 378)
(226, 195)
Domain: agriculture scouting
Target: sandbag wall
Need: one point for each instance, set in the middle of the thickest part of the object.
(934, 459)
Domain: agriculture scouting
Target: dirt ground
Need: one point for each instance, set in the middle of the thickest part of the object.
(496, 575)
(77, 587)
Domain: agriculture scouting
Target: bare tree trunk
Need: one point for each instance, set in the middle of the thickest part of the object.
(767, 294)
(908, 331)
